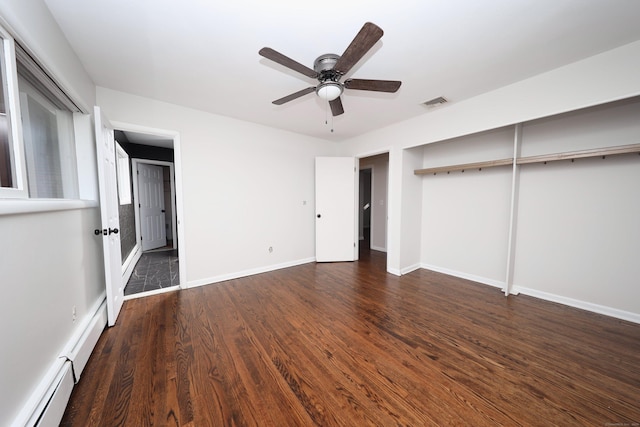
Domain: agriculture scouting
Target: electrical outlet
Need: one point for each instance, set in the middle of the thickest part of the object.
(73, 314)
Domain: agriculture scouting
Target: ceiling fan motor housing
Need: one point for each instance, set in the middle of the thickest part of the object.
(324, 66)
(329, 88)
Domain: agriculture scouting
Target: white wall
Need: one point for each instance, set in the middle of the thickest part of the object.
(52, 264)
(466, 223)
(411, 211)
(465, 215)
(578, 233)
(244, 187)
(51, 261)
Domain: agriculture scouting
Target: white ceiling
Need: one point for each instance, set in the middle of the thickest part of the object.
(148, 139)
(203, 54)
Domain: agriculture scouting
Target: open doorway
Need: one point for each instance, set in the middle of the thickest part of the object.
(372, 208)
(364, 211)
(148, 224)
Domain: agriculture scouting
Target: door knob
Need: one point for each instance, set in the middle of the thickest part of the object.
(105, 232)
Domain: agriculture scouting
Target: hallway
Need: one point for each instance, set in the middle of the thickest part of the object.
(155, 270)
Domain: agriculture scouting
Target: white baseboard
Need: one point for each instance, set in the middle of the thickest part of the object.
(82, 347)
(402, 271)
(394, 271)
(409, 269)
(130, 263)
(379, 248)
(472, 277)
(245, 273)
(596, 308)
(46, 404)
(515, 290)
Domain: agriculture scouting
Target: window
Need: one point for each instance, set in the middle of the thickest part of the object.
(10, 178)
(124, 175)
(37, 142)
(6, 172)
(48, 145)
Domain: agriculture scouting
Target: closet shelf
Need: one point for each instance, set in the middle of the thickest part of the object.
(570, 155)
(582, 154)
(465, 166)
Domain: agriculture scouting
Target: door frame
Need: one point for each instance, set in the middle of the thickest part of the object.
(177, 185)
(134, 169)
(358, 158)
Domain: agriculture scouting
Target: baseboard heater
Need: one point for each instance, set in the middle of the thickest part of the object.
(51, 408)
(47, 404)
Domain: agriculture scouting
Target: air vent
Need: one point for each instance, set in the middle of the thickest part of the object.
(435, 102)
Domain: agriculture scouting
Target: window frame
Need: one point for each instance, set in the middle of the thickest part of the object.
(20, 65)
(123, 172)
(20, 190)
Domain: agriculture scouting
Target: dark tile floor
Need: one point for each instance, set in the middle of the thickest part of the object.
(154, 270)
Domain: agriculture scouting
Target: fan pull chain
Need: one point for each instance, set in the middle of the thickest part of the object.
(326, 115)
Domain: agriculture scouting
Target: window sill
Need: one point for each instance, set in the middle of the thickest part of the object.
(24, 206)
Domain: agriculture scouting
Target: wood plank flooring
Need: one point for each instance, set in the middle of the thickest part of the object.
(346, 344)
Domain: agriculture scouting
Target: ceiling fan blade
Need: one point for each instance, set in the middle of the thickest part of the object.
(374, 85)
(293, 96)
(336, 107)
(368, 35)
(281, 59)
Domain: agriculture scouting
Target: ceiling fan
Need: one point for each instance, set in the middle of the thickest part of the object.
(330, 68)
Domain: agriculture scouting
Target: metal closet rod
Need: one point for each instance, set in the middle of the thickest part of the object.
(569, 155)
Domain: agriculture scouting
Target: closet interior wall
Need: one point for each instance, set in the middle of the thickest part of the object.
(576, 234)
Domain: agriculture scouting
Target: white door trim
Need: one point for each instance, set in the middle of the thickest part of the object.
(177, 182)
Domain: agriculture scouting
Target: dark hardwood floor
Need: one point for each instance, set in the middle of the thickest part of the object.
(346, 344)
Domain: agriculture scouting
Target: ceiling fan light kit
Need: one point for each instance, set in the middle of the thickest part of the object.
(329, 68)
(329, 90)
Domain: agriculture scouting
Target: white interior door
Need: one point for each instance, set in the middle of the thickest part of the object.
(107, 183)
(152, 210)
(335, 209)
